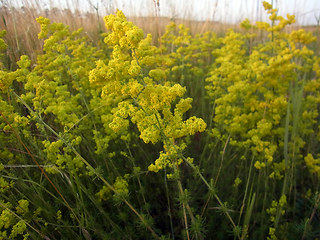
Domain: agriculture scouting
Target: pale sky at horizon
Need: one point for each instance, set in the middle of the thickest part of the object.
(230, 11)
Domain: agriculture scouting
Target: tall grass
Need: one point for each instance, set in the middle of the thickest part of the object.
(22, 37)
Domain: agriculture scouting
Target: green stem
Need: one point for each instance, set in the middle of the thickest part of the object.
(89, 167)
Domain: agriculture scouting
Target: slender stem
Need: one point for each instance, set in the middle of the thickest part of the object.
(246, 190)
(39, 166)
(222, 158)
(89, 167)
(222, 205)
(25, 222)
(185, 220)
(168, 200)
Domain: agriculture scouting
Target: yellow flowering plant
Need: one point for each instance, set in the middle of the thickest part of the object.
(263, 99)
(145, 100)
(187, 60)
(186, 140)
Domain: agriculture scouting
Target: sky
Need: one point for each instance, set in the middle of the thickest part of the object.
(227, 11)
(232, 11)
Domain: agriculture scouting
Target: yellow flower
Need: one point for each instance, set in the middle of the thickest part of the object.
(266, 5)
(313, 164)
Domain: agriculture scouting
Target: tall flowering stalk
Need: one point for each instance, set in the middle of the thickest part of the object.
(262, 100)
(150, 102)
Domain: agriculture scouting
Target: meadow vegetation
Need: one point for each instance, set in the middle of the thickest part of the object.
(113, 134)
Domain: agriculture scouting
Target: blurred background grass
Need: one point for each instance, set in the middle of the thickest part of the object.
(17, 17)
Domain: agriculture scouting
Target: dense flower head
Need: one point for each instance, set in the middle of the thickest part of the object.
(124, 33)
(44, 23)
(3, 46)
(251, 91)
(266, 5)
(155, 105)
(313, 164)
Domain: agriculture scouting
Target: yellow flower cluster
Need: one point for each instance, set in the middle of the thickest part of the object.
(3, 46)
(120, 186)
(10, 226)
(187, 58)
(282, 22)
(168, 158)
(59, 92)
(62, 156)
(252, 90)
(237, 182)
(123, 33)
(142, 97)
(274, 207)
(313, 164)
